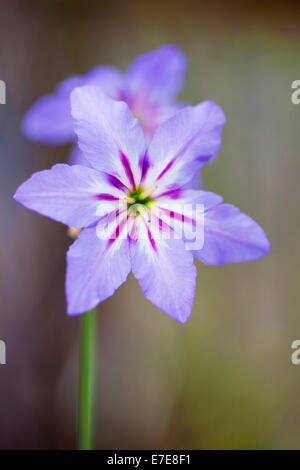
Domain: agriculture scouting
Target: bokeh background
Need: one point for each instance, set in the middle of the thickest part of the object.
(225, 379)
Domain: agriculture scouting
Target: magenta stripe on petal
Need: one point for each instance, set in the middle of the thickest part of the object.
(106, 197)
(174, 193)
(116, 182)
(111, 216)
(127, 168)
(167, 168)
(178, 216)
(151, 239)
(116, 233)
(144, 165)
(161, 223)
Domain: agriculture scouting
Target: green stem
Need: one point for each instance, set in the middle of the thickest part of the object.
(86, 380)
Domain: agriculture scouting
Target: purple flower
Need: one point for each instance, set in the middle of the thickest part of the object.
(149, 87)
(141, 190)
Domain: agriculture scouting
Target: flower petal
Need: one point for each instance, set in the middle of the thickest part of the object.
(76, 157)
(95, 269)
(183, 210)
(108, 78)
(166, 273)
(184, 143)
(155, 77)
(216, 233)
(107, 132)
(49, 120)
(191, 197)
(231, 237)
(68, 194)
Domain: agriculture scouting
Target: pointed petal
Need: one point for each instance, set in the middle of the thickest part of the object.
(184, 143)
(68, 194)
(216, 233)
(49, 120)
(156, 77)
(166, 273)
(107, 130)
(95, 269)
(231, 237)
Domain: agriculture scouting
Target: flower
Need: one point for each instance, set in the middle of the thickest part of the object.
(139, 184)
(149, 87)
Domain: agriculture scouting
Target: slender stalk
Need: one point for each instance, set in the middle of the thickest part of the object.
(86, 380)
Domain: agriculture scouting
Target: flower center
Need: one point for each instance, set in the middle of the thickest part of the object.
(138, 199)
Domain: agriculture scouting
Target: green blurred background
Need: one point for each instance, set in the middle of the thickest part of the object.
(225, 379)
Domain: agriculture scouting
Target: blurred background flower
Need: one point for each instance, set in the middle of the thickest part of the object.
(225, 379)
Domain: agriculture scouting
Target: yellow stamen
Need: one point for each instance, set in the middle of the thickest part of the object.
(130, 200)
(148, 192)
